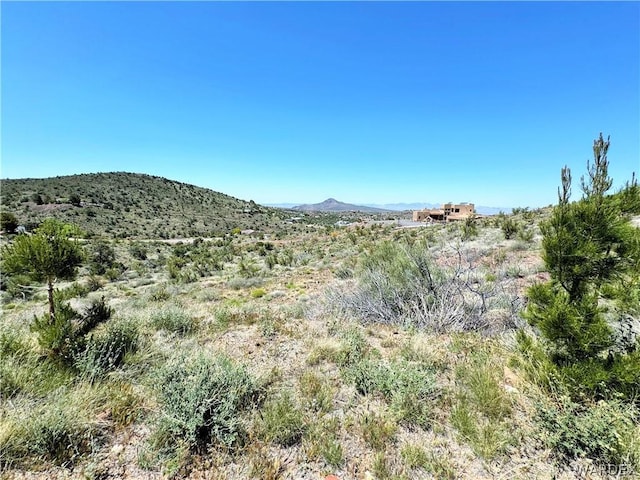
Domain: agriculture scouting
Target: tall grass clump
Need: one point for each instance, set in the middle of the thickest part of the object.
(173, 319)
(281, 420)
(482, 412)
(60, 430)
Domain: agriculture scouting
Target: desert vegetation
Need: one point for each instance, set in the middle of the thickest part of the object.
(500, 347)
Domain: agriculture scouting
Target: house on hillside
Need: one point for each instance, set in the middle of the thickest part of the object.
(449, 212)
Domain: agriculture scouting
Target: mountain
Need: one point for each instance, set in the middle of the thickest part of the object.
(333, 205)
(134, 205)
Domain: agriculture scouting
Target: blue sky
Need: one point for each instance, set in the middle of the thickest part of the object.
(367, 102)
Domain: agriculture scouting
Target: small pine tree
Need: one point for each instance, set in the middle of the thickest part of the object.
(588, 245)
(46, 256)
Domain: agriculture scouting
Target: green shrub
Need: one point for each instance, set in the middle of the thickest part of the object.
(258, 293)
(605, 431)
(470, 228)
(8, 222)
(173, 319)
(96, 313)
(409, 388)
(105, 351)
(353, 347)
(509, 227)
(101, 257)
(201, 402)
(138, 251)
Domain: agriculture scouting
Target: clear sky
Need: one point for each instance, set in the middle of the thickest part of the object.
(367, 102)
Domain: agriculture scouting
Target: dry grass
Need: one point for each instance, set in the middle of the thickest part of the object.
(312, 418)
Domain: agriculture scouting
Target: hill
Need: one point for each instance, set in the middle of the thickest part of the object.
(333, 205)
(133, 205)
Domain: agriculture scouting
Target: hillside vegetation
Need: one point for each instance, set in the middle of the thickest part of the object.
(129, 205)
(368, 351)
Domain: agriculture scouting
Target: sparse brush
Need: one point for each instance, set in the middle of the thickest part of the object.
(60, 430)
(321, 441)
(281, 420)
(202, 399)
(377, 429)
(106, 350)
(483, 410)
(317, 391)
(606, 432)
(409, 388)
(173, 319)
(403, 285)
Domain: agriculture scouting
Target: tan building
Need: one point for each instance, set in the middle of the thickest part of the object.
(449, 212)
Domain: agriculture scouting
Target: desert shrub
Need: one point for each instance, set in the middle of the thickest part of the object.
(409, 388)
(509, 227)
(138, 251)
(96, 313)
(105, 351)
(8, 222)
(258, 293)
(241, 283)
(606, 431)
(159, 294)
(173, 319)
(353, 347)
(101, 258)
(525, 234)
(402, 284)
(469, 228)
(18, 286)
(75, 200)
(202, 400)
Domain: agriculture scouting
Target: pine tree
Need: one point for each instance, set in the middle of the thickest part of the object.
(588, 246)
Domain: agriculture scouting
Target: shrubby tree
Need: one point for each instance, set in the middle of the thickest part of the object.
(8, 222)
(102, 257)
(75, 200)
(589, 248)
(50, 254)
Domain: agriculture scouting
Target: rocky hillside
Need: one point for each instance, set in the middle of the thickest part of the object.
(134, 205)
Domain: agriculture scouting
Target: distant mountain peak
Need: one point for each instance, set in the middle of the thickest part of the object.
(333, 205)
